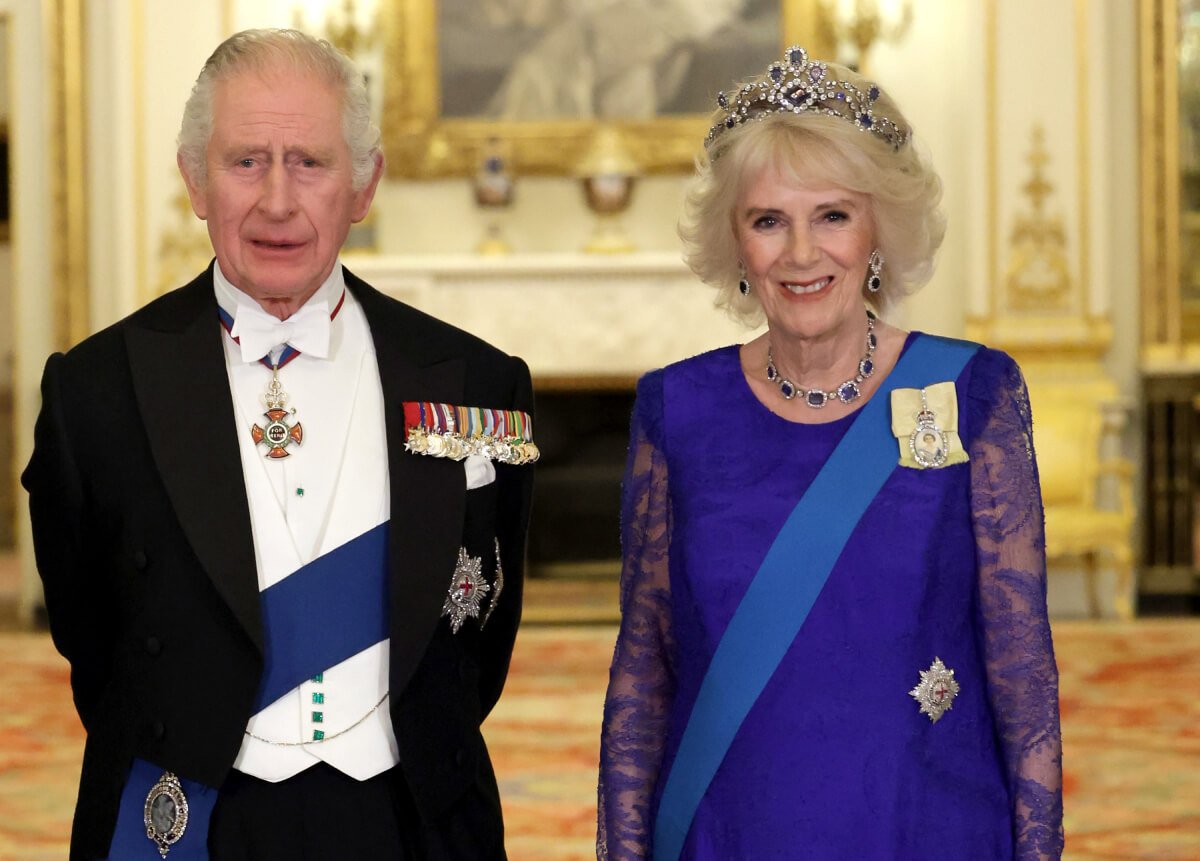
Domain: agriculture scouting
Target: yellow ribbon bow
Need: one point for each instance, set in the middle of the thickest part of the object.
(938, 440)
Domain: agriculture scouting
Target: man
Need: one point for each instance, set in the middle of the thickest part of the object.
(280, 517)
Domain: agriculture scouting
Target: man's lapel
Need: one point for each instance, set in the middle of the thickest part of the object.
(178, 368)
(428, 494)
(182, 387)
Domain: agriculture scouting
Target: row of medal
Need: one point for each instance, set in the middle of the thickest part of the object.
(455, 446)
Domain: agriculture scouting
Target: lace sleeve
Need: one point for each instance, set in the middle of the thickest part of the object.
(1009, 530)
(641, 681)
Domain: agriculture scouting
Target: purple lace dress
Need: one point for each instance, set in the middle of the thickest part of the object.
(835, 760)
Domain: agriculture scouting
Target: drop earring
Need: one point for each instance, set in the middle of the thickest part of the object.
(875, 264)
(744, 282)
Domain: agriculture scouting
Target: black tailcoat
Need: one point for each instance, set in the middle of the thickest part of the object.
(144, 545)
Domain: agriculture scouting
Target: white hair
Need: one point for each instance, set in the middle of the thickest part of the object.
(816, 150)
(265, 50)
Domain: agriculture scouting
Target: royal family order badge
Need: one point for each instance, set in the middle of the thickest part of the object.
(936, 690)
(928, 442)
(925, 424)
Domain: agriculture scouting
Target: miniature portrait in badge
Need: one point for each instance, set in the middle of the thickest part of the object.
(930, 445)
(165, 813)
(162, 813)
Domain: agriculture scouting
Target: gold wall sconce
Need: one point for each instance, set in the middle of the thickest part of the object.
(862, 24)
(342, 31)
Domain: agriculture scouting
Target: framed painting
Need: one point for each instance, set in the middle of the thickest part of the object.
(544, 77)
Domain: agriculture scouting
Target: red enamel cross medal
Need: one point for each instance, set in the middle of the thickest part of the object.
(278, 434)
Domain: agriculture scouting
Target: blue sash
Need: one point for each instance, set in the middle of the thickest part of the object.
(315, 618)
(777, 602)
(328, 611)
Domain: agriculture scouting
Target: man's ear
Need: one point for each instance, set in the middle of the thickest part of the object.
(363, 197)
(195, 191)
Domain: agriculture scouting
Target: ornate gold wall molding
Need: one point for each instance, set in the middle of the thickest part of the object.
(420, 143)
(1162, 311)
(183, 248)
(1038, 276)
(1038, 300)
(68, 173)
(1083, 146)
(137, 61)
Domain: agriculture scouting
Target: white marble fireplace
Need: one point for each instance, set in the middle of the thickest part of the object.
(577, 319)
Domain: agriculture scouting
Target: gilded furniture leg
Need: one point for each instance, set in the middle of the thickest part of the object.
(1123, 597)
(1088, 561)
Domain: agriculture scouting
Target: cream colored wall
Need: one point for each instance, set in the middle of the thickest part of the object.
(6, 282)
(32, 311)
(114, 69)
(7, 332)
(1113, 106)
(144, 55)
(548, 215)
(937, 73)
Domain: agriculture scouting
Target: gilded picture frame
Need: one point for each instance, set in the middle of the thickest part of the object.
(1170, 276)
(421, 143)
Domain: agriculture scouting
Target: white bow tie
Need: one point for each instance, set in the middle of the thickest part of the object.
(259, 333)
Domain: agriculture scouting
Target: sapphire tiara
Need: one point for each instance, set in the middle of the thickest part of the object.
(797, 84)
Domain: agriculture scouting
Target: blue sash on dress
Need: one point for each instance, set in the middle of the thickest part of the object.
(323, 613)
(777, 602)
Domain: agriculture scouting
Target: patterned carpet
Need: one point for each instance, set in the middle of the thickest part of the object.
(1131, 734)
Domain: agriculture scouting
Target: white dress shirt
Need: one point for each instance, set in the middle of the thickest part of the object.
(331, 488)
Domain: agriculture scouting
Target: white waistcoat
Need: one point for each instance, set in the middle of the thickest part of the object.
(331, 488)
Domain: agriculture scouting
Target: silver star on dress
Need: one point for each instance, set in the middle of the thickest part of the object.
(936, 690)
(467, 589)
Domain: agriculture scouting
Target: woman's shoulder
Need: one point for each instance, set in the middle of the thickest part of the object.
(987, 366)
(993, 371)
(686, 382)
(694, 367)
(706, 360)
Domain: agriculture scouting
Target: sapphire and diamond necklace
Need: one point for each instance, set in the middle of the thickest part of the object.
(847, 392)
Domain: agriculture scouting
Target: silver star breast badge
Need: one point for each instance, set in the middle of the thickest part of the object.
(467, 588)
(936, 690)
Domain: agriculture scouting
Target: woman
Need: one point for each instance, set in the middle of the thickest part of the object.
(834, 640)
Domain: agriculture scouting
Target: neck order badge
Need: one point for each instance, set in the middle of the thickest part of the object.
(278, 433)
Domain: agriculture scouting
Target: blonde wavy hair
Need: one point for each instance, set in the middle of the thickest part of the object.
(263, 51)
(817, 151)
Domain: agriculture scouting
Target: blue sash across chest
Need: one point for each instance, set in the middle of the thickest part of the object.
(777, 602)
(327, 611)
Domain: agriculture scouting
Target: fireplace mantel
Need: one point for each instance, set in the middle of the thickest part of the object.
(591, 320)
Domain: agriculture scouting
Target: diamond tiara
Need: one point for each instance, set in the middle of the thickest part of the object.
(797, 84)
